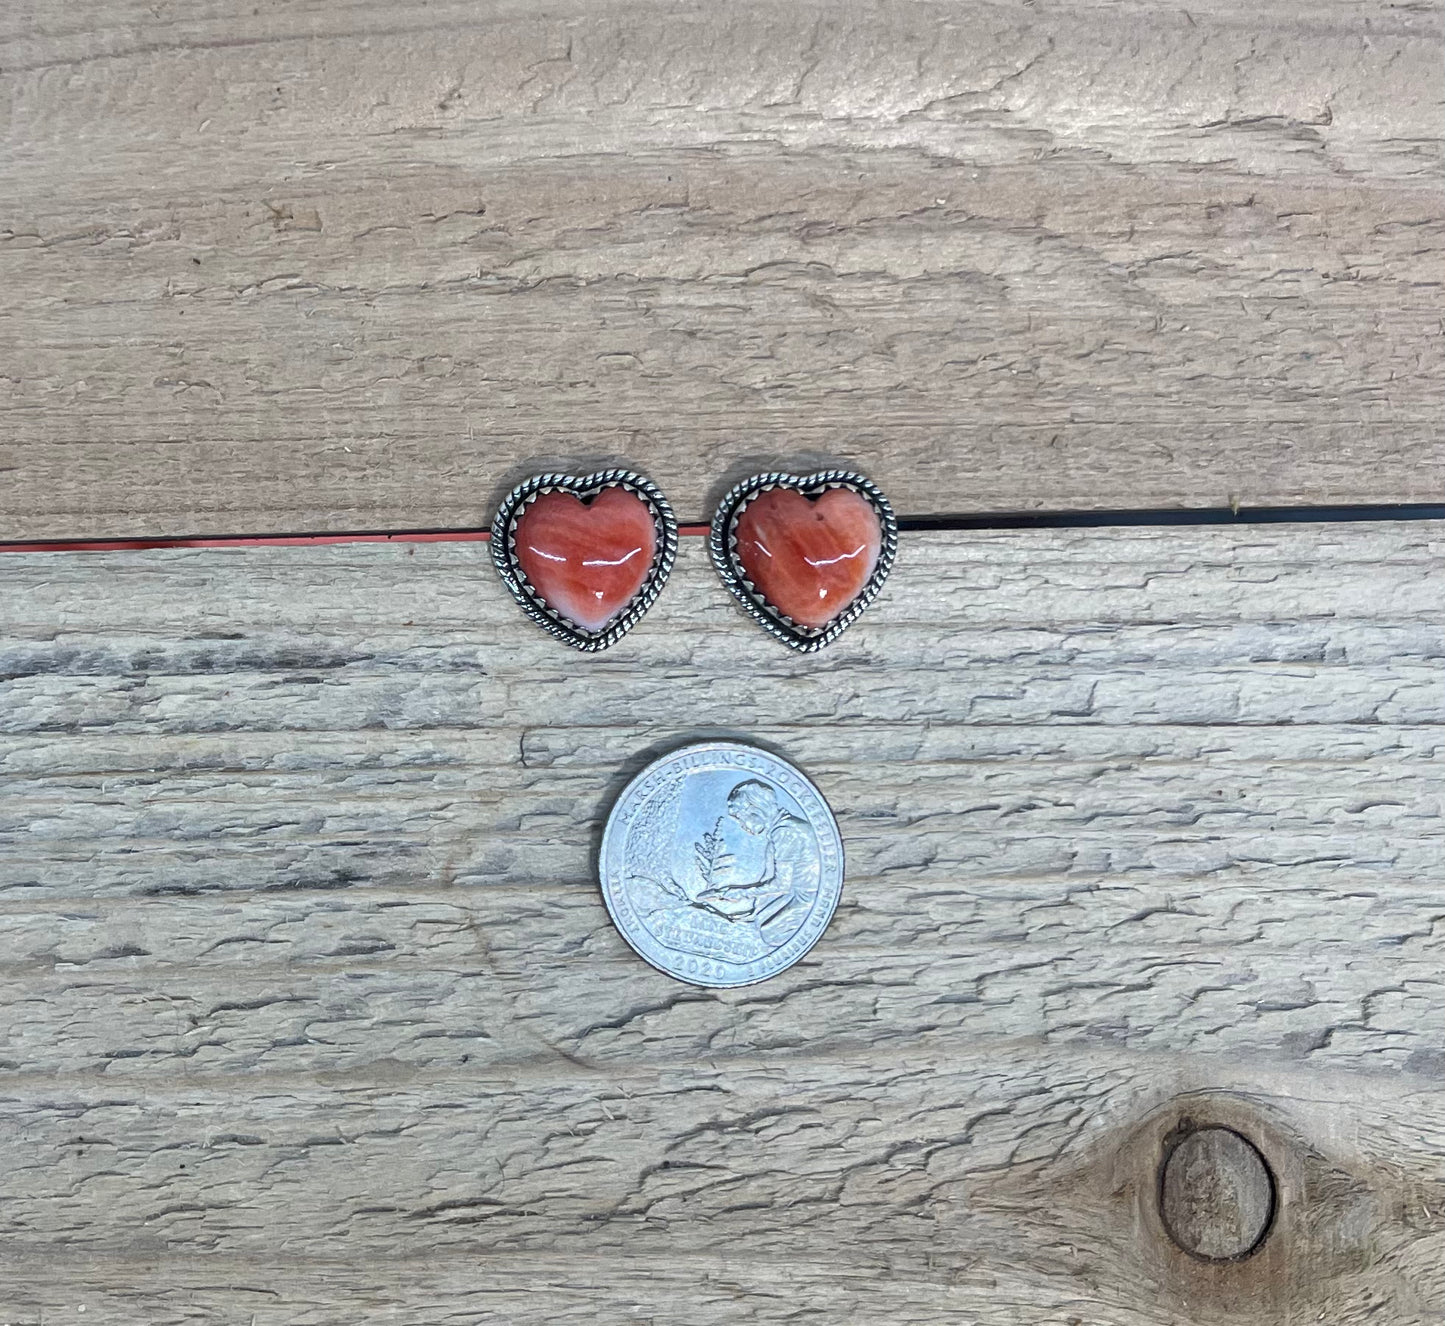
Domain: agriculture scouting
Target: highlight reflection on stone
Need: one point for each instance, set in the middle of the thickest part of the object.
(587, 559)
(809, 557)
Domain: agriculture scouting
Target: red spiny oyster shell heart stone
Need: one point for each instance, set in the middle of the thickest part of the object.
(587, 559)
(809, 557)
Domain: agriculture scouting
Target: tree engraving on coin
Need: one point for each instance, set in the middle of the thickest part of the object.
(721, 864)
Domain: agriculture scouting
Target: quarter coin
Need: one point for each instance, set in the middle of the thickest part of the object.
(721, 864)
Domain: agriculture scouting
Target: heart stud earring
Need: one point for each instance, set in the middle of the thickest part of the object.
(804, 555)
(586, 556)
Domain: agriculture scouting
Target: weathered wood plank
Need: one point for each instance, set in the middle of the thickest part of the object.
(359, 266)
(988, 1189)
(314, 1014)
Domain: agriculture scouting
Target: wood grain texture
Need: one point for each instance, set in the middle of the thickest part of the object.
(358, 265)
(314, 1014)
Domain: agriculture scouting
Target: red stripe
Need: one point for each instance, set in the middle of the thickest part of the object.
(267, 541)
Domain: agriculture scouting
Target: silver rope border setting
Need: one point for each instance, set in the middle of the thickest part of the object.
(722, 545)
(556, 624)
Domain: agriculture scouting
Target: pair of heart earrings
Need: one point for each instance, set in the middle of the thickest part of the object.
(586, 556)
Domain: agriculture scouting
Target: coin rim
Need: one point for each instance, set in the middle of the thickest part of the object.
(720, 747)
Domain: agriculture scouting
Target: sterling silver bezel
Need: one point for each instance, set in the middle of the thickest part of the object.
(555, 623)
(722, 545)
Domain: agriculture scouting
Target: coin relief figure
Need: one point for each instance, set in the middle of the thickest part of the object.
(789, 874)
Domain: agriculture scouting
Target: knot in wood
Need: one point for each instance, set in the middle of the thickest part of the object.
(1216, 1195)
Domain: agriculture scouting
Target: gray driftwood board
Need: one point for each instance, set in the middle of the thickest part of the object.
(336, 265)
(313, 1015)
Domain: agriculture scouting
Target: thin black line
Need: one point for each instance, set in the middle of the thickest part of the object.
(1148, 517)
(1259, 515)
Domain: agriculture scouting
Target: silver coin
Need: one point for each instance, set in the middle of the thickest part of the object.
(721, 864)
